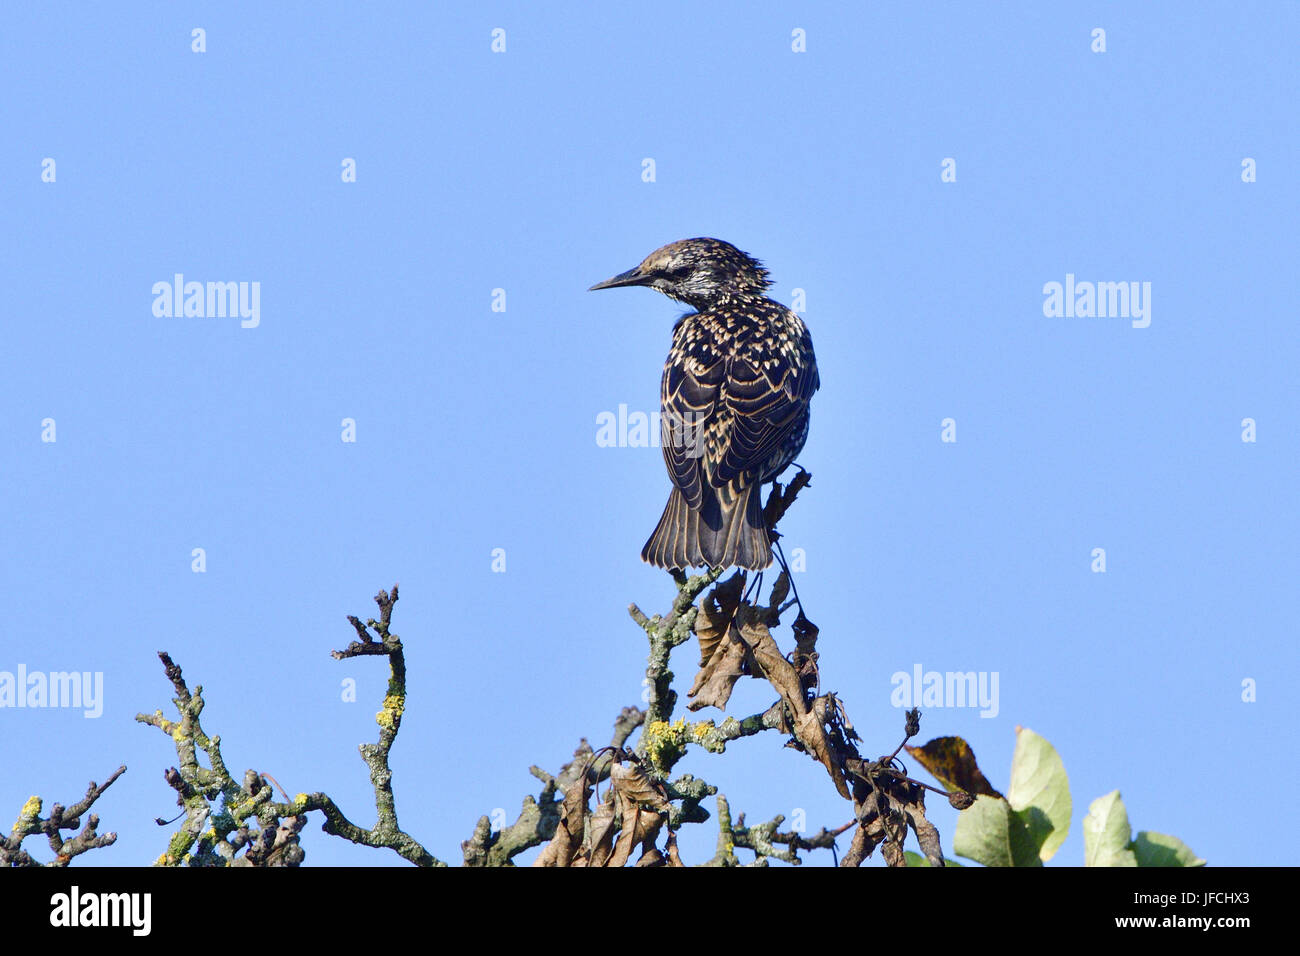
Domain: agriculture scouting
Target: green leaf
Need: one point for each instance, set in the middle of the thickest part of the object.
(1106, 833)
(989, 832)
(915, 859)
(1040, 792)
(1160, 849)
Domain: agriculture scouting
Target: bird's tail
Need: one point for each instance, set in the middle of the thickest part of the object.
(727, 530)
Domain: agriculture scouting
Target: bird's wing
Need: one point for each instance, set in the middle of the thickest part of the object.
(767, 395)
(689, 393)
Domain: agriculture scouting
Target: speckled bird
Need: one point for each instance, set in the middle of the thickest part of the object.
(734, 399)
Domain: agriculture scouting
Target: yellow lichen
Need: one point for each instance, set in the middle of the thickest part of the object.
(387, 718)
(665, 742)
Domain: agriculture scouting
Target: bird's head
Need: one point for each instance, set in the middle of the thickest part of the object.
(698, 272)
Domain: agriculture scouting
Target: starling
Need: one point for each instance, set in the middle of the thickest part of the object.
(735, 394)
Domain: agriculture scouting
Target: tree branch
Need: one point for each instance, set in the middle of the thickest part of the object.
(30, 822)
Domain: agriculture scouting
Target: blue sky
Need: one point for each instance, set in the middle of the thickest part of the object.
(476, 429)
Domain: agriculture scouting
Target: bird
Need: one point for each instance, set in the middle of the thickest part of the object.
(734, 402)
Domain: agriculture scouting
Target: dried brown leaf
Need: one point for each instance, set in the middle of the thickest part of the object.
(640, 828)
(894, 854)
(674, 859)
(951, 761)
(810, 730)
(643, 808)
(652, 857)
(771, 662)
(631, 782)
(805, 651)
(722, 653)
(569, 831)
(716, 612)
(865, 838)
(809, 723)
(715, 680)
(601, 846)
(779, 592)
(927, 834)
(805, 632)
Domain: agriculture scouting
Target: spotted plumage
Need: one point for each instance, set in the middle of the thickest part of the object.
(734, 399)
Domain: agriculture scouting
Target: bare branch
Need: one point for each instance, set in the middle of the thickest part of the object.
(30, 822)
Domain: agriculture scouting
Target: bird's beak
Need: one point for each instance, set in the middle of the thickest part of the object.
(631, 277)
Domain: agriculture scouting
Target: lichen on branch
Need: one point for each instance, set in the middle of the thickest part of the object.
(229, 822)
(60, 818)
